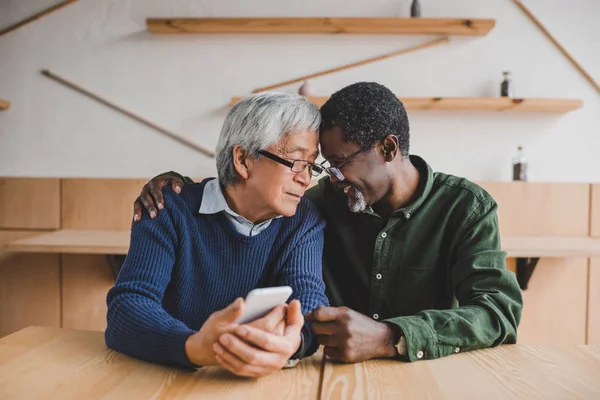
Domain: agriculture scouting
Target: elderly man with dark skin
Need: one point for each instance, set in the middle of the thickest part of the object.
(412, 259)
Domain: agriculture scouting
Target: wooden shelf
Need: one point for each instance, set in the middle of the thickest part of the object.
(384, 26)
(475, 104)
(70, 241)
(117, 242)
(551, 246)
(4, 104)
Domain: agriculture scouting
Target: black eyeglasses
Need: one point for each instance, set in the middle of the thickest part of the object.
(336, 171)
(296, 166)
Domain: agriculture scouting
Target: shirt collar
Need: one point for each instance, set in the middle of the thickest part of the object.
(425, 186)
(213, 202)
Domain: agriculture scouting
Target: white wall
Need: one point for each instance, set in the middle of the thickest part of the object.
(184, 83)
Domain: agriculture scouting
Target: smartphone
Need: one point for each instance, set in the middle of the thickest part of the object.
(260, 301)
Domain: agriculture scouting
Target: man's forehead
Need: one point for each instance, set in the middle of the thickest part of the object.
(291, 144)
(333, 144)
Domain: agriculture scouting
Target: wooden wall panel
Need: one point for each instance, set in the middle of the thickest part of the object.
(99, 203)
(29, 203)
(541, 209)
(595, 210)
(554, 311)
(86, 280)
(29, 287)
(594, 303)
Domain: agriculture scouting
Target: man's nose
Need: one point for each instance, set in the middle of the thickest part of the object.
(303, 177)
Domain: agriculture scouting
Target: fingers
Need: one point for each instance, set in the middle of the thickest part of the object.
(230, 313)
(279, 330)
(295, 319)
(324, 328)
(236, 366)
(156, 186)
(176, 184)
(137, 209)
(148, 201)
(328, 340)
(334, 353)
(264, 340)
(271, 320)
(325, 314)
(248, 354)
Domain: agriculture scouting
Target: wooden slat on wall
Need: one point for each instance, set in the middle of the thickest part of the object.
(594, 302)
(595, 211)
(29, 287)
(29, 203)
(594, 272)
(554, 311)
(99, 203)
(86, 280)
(541, 209)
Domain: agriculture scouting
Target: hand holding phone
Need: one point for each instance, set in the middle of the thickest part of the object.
(260, 301)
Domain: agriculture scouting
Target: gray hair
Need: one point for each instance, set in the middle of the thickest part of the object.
(259, 121)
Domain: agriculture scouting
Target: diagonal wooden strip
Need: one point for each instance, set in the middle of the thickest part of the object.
(36, 17)
(558, 45)
(144, 121)
(355, 64)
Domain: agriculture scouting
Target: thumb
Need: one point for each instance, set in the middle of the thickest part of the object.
(295, 319)
(232, 312)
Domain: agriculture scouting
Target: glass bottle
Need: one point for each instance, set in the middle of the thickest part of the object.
(415, 9)
(506, 88)
(519, 165)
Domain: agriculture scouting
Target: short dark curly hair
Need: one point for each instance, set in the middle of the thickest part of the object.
(367, 112)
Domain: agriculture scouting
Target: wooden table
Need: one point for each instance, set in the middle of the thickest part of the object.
(53, 363)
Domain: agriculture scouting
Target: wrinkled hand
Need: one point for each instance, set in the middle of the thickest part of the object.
(350, 336)
(199, 346)
(252, 352)
(151, 196)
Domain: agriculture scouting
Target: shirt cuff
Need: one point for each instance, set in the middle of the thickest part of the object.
(421, 339)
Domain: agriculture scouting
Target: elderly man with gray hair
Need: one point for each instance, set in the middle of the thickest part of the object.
(179, 291)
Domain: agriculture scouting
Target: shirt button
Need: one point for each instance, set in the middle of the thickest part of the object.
(407, 215)
(419, 354)
(375, 316)
(384, 235)
(457, 350)
(378, 276)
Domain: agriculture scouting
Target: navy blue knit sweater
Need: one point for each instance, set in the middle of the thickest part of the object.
(183, 266)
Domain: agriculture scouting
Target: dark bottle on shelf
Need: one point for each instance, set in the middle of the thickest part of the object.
(519, 166)
(415, 9)
(506, 88)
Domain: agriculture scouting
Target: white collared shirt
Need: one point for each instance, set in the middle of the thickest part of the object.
(213, 202)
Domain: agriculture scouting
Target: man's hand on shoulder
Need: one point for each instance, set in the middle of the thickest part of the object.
(151, 197)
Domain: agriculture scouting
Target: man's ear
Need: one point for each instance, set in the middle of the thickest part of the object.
(390, 147)
(240, 161)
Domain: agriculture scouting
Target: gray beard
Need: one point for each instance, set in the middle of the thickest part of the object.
(357, 202)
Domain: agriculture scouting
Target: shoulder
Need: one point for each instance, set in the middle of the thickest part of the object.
(307, 216)
(463, 188)
(463, 193)
(188, 200)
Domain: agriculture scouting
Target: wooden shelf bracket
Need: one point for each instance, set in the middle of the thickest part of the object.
(525, 268)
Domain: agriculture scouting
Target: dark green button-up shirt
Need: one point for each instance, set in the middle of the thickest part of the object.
(434, 268)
